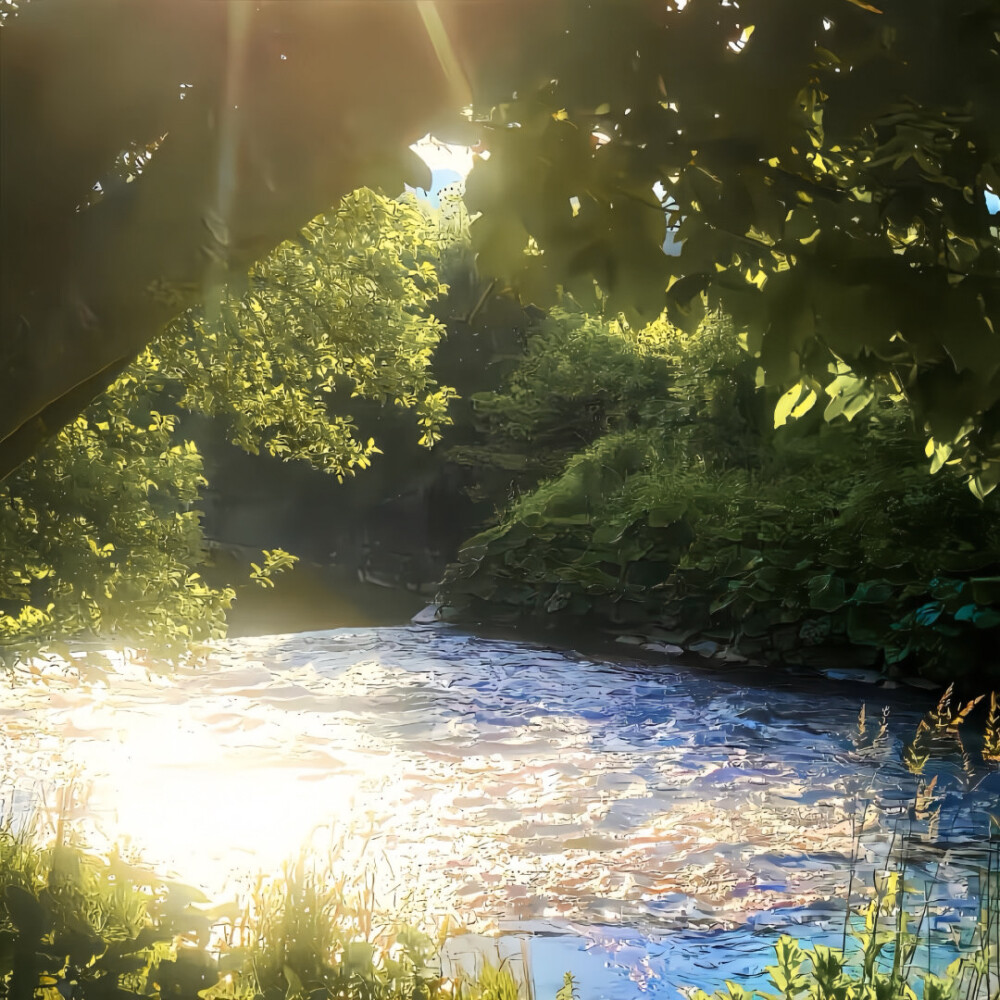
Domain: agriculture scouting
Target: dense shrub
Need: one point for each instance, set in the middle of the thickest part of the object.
(685, 509)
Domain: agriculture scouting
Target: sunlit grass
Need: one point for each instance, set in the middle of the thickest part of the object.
(75, 923)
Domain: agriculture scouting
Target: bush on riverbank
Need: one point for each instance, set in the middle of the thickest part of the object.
(669, 502)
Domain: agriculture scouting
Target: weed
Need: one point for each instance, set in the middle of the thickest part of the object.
(75, 926)
(877, 959)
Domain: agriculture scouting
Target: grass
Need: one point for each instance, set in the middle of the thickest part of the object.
(76, 926)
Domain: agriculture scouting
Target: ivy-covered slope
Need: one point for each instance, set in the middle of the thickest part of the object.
(641, 483)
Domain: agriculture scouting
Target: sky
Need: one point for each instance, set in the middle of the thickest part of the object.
(448, 164)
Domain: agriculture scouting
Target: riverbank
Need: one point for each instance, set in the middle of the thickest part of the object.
(311, 596)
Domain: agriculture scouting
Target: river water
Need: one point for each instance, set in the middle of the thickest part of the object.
(645, 826)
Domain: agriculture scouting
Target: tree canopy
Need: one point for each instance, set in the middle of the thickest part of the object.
(827, 172)
(825, 165)
(177, 141)
(100, 533)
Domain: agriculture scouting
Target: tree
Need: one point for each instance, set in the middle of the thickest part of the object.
(213, 131)
(826, 162)
(99, 536)
(345, 306)
(826, 165)
(100, 533)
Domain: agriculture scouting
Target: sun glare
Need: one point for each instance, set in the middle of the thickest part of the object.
(444, 156)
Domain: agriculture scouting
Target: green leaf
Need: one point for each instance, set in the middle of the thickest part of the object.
(928, 614)
(872, 592)
(794, 403)
(29, 917)
(827, 592)
(986, 618)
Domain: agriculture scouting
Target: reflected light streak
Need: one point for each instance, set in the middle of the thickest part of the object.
(215, 800)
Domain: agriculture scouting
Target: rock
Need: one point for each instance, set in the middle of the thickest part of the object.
(662, 647)
(785, 639)
(427, 616)
(923, 683)
(631, 640)
(729, 655)
(704, 648)
(853, 674)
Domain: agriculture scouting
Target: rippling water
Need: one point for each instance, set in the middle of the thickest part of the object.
(643, 826)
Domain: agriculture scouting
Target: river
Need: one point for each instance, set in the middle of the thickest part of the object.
(643, 825)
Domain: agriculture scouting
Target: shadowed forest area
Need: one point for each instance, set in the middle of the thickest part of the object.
(550, 448)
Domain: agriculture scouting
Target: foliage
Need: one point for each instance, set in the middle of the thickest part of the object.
(878, 960)
(496, 984)
(99, 532)
(823, 973)
(313, 929)
(568, 990)
(581, 378)
(8, 9)
(824, 168)
(553, 405)
(325, 99)
(707, 522)
(824, 164)
(940, 730)
(99, 536)
(880, 963)
(274, 561)
(991, 743)
(100, 928)
(344, 306)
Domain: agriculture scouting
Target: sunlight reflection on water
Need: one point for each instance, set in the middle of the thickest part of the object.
(510, 785)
